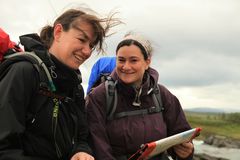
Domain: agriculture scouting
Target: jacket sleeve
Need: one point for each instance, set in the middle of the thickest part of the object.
(174, 116)
(96, 115)
(16, 88)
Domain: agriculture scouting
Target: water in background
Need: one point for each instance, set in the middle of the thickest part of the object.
(229, 153)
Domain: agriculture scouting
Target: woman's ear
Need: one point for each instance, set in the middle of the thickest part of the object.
(58, 29)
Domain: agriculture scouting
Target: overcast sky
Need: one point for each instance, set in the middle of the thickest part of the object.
(196, 42)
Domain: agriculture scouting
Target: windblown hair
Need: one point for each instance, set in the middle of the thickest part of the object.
(72, 17)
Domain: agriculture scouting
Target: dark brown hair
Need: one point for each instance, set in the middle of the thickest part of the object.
(72, 17)
(132, 38)
(129, 42)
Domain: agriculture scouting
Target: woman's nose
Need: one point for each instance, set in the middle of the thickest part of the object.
(87, 50)
(126, 65)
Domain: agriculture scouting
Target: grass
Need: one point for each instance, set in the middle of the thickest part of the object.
(213, 124)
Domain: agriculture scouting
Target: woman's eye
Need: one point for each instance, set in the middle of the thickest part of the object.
(81, 39)
(133, 60)
(121, 60)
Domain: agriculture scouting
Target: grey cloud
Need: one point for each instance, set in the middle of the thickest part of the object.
(197, 70)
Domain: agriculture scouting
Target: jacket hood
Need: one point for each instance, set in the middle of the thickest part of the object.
(154, 76)
(32, 42)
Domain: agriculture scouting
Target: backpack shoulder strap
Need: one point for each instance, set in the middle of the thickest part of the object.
(46, 86)
(157, 108)
(14, 58)
(111, 102)
(37, 63)
(157, 99)
(111, 97)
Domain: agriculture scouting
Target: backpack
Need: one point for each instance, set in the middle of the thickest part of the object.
(102, 78)
(111, 101)
(6, 45)
(36, 53)
(11, 53)
(100, 70)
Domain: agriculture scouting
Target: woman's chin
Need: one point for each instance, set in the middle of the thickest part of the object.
(128, 82)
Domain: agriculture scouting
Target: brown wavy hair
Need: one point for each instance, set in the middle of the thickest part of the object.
(72, 17)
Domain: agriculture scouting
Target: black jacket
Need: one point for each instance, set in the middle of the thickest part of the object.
(27, 127)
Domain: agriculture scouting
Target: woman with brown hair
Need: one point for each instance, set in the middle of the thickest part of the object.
(139, 117)
(51, 125)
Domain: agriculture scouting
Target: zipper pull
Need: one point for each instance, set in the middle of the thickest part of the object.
(53, 73)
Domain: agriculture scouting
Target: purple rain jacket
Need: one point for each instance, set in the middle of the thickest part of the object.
(123, 136)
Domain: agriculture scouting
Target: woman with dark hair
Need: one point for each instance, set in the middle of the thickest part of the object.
(58, 129)
(137, 119)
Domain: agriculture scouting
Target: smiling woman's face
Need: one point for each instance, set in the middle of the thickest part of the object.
(74, 46)
(131, 64)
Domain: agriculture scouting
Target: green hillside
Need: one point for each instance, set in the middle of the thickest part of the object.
(216, 124)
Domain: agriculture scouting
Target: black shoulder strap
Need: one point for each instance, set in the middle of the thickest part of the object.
(35, 60)
(111, 97)
(157, 99)
(111, 101)
(157, 108)
(16, 57)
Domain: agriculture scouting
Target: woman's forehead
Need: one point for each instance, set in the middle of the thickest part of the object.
(86, 29)
(131, 51)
